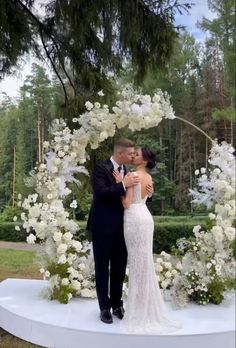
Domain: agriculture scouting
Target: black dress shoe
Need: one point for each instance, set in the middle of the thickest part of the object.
(119, 312)
(106, 316)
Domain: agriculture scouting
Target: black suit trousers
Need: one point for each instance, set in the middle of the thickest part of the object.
(110, 256)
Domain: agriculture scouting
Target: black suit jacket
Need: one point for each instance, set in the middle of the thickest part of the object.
(106, 213)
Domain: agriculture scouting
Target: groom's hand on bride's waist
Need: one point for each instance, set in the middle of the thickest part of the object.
(149, 190)
(130, 180)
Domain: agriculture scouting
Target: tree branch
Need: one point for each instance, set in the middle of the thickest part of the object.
(43, 29)
(53, 65)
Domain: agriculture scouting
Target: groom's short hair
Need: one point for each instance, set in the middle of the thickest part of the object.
(122, 144)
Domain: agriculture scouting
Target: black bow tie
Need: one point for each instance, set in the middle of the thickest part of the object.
(119, 168)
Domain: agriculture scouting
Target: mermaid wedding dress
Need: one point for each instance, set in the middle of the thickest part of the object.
(145, 308)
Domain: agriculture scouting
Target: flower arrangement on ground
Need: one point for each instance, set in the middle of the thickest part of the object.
(167, 269)
(208, 261)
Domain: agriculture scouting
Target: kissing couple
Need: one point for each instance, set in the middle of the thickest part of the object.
(121, 225)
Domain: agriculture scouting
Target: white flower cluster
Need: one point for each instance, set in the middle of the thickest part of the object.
(133, 110)
(219, 185)
(208, 262)
(166, 270)
(137, 111)
(66, 262)
(49, 223)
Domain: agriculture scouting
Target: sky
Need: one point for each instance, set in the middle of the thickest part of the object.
(11, 84)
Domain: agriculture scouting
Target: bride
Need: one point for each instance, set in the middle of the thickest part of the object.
(145, 309)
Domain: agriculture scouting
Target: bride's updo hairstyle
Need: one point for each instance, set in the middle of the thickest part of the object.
(149, 156)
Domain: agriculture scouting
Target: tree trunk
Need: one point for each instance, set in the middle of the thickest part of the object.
(14, 177)
(40, 137)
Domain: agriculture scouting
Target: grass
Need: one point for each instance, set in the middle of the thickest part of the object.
(17, 264)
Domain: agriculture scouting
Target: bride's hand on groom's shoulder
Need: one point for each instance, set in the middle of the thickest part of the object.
(116, 174)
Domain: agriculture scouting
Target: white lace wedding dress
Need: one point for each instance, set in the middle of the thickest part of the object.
(145, 308)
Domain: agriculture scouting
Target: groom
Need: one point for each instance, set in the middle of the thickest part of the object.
(106, 227)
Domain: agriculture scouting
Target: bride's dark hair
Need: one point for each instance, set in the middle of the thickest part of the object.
(149, 156)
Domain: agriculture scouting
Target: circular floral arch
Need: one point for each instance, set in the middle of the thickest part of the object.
(67, 262)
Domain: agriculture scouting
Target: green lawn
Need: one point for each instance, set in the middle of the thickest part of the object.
(17, 264)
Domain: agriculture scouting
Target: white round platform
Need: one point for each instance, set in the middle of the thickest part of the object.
(25, 314)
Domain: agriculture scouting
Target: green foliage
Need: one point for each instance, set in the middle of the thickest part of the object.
(19, 132)
(166, 234)
(8, 232)
(16, 34)
(61, 293)
(222, 29)
(56, 268)
(224, 114)
(216, 289)
(9, 212)
(233, 247)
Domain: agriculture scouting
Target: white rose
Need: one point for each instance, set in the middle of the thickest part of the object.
(57, 161)
(217, 171)
(77, 245)
(34, 211)
(61, 153)
(31, 239)
(54, 169)
(88, 105)
(164, 284)
(46, 144)
(81, 266)
(168, 265)
(230, 233)
(179, 266)
(47, 274)
(97, 105)
(85, 283)
(196, 228)
(65, 281)
(62, 259)
(196, 172)
(76, 285)
(100, 93)
(159, 268)
(103, 135)
(73, 204)
(203, 170)
(67, 236)
(57, 236)
(165, 255)
(168, 274)
(62, 249)
(211, 216)
(86, 293)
